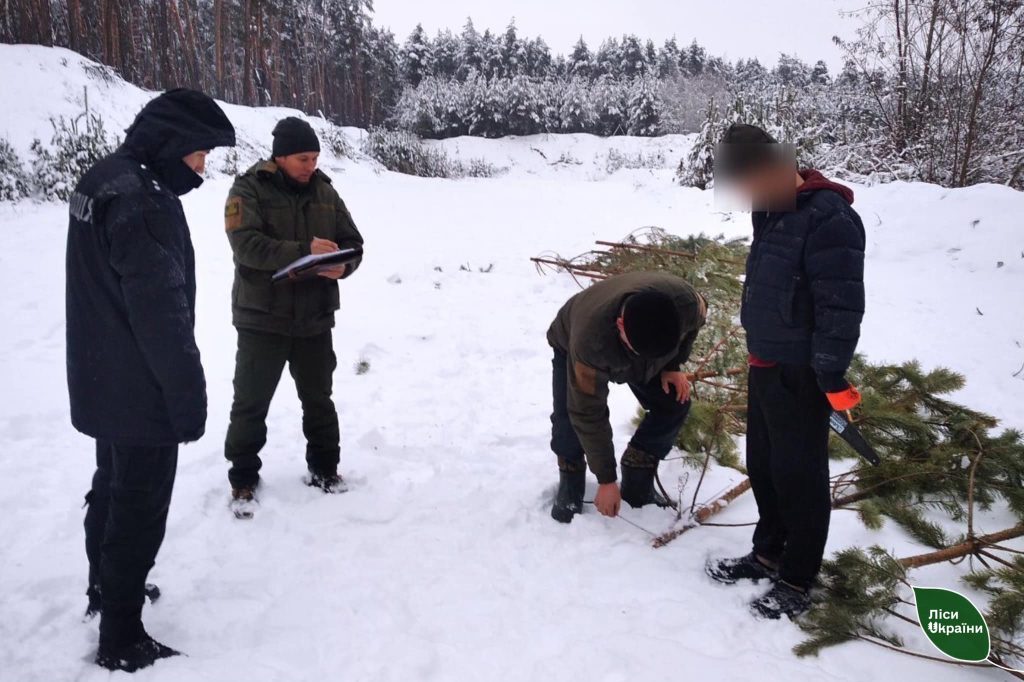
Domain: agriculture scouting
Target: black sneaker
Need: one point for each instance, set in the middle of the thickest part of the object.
(142, 654)
(572, 483)
(329, 482)
(782, 600)
(731, 571)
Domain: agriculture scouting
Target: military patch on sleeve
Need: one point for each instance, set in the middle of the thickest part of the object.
(233, 214)
(586, 378)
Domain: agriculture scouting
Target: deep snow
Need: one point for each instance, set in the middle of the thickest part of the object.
(442, 562)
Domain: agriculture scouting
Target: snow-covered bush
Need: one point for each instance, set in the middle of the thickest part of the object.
(76, 145)
(617, 160)
(14, 182)
(403, 152)
(335, 141)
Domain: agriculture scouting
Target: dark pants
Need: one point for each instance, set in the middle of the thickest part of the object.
(787, 460)
(124, 527)
(655, 436)
(259, 363)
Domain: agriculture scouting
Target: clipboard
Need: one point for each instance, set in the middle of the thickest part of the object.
(312, 265)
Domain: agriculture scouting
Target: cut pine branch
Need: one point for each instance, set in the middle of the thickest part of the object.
(963, 549)
(704, 513)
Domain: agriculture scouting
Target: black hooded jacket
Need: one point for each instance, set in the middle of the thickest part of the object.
(134, 373)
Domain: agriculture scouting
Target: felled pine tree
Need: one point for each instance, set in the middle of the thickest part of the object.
(866, 597)
(941, 461)
(1005, 615)
(936, 453)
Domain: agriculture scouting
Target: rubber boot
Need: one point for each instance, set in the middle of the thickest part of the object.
(572, 483)
(637, 486)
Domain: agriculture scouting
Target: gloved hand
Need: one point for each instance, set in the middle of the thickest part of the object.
(844, 400)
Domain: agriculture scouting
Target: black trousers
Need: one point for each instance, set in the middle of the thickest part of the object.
(259, 364)
(787, 460)
(655, 436)
(124, 528)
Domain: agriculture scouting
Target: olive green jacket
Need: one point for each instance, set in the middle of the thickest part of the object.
(270, 223)
(585, 331)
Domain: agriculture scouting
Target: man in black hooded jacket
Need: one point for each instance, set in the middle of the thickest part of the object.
(135, 379)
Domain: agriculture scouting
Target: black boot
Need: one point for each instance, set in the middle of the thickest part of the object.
(142, 653)
(637, 487)
(572, 482)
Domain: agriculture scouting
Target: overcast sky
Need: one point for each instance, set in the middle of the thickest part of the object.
(732, 28)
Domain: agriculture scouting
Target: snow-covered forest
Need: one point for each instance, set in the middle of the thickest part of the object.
(931, 91)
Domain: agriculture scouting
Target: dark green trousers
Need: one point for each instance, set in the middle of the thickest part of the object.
(258, 366)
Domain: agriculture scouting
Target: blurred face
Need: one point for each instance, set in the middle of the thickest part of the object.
(197, 161)
(755, 176)
(298, 167)
(770, 187)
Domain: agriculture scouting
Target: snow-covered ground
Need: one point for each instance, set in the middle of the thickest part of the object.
(442, 562)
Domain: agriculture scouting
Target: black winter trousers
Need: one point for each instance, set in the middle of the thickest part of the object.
(655, 436)
(124, 528)
(259, 364)
(787, 460)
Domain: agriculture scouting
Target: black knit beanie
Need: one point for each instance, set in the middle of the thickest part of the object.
(294, 136)
(652, 324)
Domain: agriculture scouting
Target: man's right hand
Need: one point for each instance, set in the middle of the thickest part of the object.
(319, 246)
(608, 499)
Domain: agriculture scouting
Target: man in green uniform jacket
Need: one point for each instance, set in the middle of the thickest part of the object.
(636, 329)
(278, 211)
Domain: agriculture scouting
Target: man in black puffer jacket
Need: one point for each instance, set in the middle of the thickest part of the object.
(803, 301)
(134, 376)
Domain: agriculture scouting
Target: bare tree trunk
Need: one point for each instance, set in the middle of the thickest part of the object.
(218, 46)
(247, 50)
(977, 95)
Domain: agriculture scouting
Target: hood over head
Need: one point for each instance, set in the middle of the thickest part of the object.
(172, 126)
